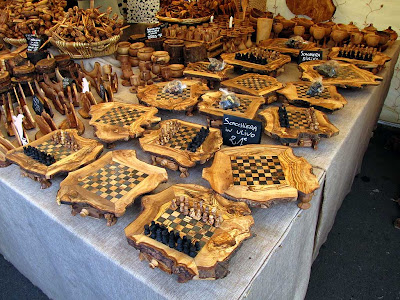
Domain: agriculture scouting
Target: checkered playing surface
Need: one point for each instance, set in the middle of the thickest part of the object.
(200, 68)
(182, 137)
(254, 83)
(120, 116)
(347, 73)
(182, 96)
(193, 229)
(257, 170)
(113, 181)
(244, 105)
(302, 91)
(298, 119)
(57, 150)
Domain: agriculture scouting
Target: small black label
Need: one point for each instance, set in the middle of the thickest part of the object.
(153, 32)
(306, 55)
(37, 105)
(34, 42)
(102, 92)
(238, 131)
(67, 82)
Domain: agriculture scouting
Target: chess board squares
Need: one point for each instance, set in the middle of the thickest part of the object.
(348, 73)
(200, 68)
(195, 230)
(169, 96)
(112, 181)
(257, 170)
(254, 83)
(58, 151)
(120, 116)
(303, 88)
(182, 137)
(298, 119)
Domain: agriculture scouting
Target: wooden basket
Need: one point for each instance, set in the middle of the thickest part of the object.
(15, 42)
(183, 21)
(87, 50)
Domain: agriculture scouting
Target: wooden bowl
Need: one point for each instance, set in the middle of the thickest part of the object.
(123, 48)
(176, 70)
(145, 53)
(160, 57)
(134, 48)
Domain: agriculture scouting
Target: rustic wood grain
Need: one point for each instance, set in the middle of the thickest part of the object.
(279, 44)
(317, 10)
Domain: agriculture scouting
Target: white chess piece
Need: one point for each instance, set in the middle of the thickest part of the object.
(17, 120)
(85, 85)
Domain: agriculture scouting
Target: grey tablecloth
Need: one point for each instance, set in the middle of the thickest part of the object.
(75, 258)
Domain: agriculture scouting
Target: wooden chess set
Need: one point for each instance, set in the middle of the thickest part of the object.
(210, 106)
(257, 59)
(114, 121)
(179, 145)
(57, 152)
(202, 70)
(279, 44)
(255, 85)
(363, 57)
(153, 95)
(190, 231)
(262, 175)
(348, 75)
(106, 187)
(297, 93)
(297, 127)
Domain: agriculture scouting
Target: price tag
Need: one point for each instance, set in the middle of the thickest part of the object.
(238, 131)
(306, 55)
(34, 42)
(67, 81)
(102, 92)
(153, 32)
(37, 105)
(85, 85)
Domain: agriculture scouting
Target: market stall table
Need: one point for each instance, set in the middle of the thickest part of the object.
(72, 257)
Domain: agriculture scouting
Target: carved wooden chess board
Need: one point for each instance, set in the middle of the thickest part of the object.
(211, 108)
(279, 44)
(200, 70)
(329, 100)
(216, 238)
(261, 175)
(255, 85)
(69, 150)
(348, 75)
(375, 65)
(109, 185)
(113, 121)
(271, 68)
(303, 127)
(170, 145)
(153, 95)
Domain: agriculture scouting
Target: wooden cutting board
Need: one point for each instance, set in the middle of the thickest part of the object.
(326, 9)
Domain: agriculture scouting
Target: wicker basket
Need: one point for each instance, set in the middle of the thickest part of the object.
(87, 50)
(183, 21)
(15, 42)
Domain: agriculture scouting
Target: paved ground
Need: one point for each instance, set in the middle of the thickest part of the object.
(360, 259)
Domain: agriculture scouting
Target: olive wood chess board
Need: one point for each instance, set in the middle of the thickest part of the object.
(255, 85)
(153, 95)
(66, 157)
(200, 70)
(173, 154)
(210, 107)
(348, 75)
(270, 68)
(329, 100)
(305, 128)
(106, 187)
(261, 175)
(114, 121)
(279, 44)
(378, 61)
(218, 242)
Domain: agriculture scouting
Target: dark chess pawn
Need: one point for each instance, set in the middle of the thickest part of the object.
(197, 246)
(146, 229)
(186, 247)
(179, 245)
(153, 230)
(192, 251)
(171, 242)
(264, 61)
(237, 56)
(165, 236)
(340, 54)
(158, 235)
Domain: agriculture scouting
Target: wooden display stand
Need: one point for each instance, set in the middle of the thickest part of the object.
(305, 129)
(348, 76)
(200, 70)
(169, 145)
(262, 175)
(279, 44)
(329, 100)
(219, 227)
(69, 150)
(5, 146)
(210, 107)
(106, 187)
(114, 121)
(153, 95)
(255, 85)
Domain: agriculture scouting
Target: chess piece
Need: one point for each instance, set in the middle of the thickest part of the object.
(201, 205)
(205, 217)
(146, 229)
(210, 220)
(158, 235)
(185, 210)
(186, 247)
(218, 221)
(192, 213)
(197, 246)
(179, 245)
(192, 251)
(173, 204)
(198, 214)
(171, 241)
(182, 207)
(165, 236)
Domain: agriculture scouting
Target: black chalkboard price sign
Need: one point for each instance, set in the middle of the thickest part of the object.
(238, 131)
(307, 55)
(37, 105)
(34, 42)
(154, 32)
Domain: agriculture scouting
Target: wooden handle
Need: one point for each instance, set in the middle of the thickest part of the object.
(91, 4)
